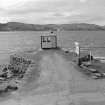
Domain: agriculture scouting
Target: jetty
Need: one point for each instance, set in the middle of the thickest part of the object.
(61, 75)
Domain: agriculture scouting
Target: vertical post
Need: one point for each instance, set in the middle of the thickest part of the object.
(79, 61)
(90, 56)
(56, 40)
(41, 41)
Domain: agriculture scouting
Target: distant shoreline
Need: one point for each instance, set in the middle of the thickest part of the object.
(16, 26)
(60, 31)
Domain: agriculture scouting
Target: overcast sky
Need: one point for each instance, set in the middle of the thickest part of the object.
(53, 11)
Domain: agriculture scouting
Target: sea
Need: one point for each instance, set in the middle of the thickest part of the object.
(11, 42)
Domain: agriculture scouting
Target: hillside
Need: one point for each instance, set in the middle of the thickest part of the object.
(16, 26)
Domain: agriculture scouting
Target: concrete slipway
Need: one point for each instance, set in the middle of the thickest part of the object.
(54, 79)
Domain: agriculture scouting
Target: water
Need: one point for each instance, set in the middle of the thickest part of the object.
(85, 38)
(11, 42)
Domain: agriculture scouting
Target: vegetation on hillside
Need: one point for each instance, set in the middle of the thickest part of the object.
(16, 26)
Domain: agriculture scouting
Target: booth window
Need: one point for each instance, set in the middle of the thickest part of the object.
(44, 40)
(48, 39)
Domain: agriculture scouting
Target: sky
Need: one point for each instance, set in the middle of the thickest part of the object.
(53, 11)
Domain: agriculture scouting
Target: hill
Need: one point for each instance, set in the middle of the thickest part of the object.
(16, 26)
